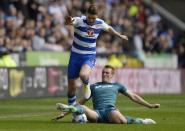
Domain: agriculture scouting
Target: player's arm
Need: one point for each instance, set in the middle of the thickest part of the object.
(69, 20)
(60, 116)
(74, 21)
(114, 32)
(136, 98)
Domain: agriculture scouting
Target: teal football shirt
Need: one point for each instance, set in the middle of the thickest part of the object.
(104, 94)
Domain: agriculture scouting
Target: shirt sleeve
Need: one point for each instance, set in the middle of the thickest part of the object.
(105, 26)
(76, 21)
(121, 89)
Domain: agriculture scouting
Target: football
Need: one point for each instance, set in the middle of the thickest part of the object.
(82, 118)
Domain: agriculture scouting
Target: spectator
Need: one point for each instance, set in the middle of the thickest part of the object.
(41, 24)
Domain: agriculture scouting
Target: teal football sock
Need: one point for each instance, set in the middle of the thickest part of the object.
(133, 120)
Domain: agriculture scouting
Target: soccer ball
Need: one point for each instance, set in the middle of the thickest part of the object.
(82, 118)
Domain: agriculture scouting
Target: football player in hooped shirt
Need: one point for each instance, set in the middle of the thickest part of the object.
(83, 52)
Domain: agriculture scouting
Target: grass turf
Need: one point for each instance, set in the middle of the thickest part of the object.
(36, 114)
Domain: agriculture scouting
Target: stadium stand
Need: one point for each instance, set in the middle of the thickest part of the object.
(38, 25)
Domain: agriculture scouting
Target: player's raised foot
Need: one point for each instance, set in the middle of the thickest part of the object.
(148, 121)
(61, 107)
(65, 108)
(87, 91)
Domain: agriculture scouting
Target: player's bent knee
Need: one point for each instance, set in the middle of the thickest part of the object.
(84, 75)
(117, 118)
(123, 121)
(118, 121)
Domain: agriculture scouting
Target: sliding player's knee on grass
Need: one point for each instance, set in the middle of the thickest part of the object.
(117, 118)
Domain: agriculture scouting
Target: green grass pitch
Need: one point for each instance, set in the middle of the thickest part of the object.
(36, 114)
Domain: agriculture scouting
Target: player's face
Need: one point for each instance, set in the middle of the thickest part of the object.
(91, 19)
(107, 75)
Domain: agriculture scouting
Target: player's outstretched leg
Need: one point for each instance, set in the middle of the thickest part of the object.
(70, 108)
(87, 91)
(133, 120)
(84, 76)
(72, 92)
(148, 121)
(65, 108)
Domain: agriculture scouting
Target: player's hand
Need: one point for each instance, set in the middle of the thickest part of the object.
(154, 105)
(60, 116)
(69, 20)
(124, 37)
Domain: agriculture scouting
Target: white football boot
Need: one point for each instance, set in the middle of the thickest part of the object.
(148, 121)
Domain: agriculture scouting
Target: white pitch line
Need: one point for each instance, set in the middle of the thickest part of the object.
(25, 115)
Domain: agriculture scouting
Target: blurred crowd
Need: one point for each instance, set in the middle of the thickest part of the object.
(27, 25)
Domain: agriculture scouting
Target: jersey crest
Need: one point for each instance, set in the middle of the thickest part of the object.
(90, 32)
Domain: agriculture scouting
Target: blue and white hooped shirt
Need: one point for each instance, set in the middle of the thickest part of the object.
(85, 35)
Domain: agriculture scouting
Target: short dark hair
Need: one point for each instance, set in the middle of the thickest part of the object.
(111, 67)
(93, 10)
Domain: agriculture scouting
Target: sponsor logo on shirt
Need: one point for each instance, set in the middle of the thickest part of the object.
(103, 86)
(90, 32)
